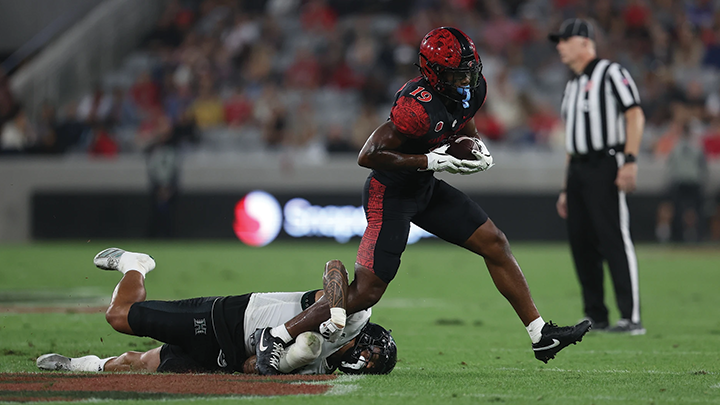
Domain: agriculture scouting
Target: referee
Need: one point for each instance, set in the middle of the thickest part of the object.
(603, 124)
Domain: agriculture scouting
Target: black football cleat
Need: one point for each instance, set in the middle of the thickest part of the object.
(555, 338)
(268, 350)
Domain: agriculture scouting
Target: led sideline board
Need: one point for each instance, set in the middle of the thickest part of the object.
(259, 218)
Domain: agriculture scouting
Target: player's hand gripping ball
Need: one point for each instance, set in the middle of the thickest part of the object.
(462, 147)
(459, 154)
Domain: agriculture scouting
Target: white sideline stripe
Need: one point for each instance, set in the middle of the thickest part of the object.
(343, 384)
(561, 370)
(576, 399)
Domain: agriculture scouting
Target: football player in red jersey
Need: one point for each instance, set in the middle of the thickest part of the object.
(401, 189)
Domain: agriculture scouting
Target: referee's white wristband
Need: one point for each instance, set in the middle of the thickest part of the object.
(338, 316)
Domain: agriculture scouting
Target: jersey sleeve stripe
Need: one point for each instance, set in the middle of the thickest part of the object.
(625, 98)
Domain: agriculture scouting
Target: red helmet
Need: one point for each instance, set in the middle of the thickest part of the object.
(447, 55)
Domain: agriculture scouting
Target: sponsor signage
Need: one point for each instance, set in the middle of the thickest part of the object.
(259, 218)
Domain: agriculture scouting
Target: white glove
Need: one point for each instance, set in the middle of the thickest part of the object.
(484, 160)
(439, 161)
(330, 331)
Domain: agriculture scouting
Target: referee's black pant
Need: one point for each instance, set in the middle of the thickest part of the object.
(598, 224)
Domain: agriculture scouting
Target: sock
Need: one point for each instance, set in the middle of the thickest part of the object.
(535, 329)
(133, 261)
(88, 363)
(307, 347)
(281, 332)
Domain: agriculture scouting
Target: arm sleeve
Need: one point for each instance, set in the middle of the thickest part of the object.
(410, 117)
(623, 87)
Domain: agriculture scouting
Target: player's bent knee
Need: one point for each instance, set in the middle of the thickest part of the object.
(117, 318)
(365, 291)
(488, 240)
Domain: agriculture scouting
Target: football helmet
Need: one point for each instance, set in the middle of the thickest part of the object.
(448, 56)
(374, 352)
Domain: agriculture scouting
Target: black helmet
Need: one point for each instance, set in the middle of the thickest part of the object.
(383, 352)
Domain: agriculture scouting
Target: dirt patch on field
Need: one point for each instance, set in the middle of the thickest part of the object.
(35, 309)
(32, 387)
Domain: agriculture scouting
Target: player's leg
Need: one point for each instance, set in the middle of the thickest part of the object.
(135, 361)
(453, 216)
(130, 289)
(305, 350)
(490, 243)
(547, 338)
(378, 259)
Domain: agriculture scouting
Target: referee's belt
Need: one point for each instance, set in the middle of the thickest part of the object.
(595, 155)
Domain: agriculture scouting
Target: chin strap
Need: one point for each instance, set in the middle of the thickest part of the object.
(465, 91)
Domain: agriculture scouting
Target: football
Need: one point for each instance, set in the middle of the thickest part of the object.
(462, 147)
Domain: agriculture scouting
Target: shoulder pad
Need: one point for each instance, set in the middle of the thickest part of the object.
(410, 117)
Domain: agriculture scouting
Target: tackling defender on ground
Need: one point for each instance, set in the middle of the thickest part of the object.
(215, 334)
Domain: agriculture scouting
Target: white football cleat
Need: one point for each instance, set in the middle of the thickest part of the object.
(123, 261)
(53, 361)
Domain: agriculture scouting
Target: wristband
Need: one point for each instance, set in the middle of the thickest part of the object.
(338, 316)
(630, 158)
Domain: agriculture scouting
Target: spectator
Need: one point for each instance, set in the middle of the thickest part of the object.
(71, 131)
(317, 16)
(163, 163)
(270, 113)
(338, 142)
(154, 126)
(7, 100)
(245, 32)
(145, 93)
(46, 130)
(304, 72)
(364, 125)
(123, 111)
(238, 109)
(711, 140)
(103, 144)
(17, 135)
(94, 107)
(489, 126)
(687, 172)
(208, 108)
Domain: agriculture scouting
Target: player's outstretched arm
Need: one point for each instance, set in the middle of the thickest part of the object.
(130, 361)
(335, 286)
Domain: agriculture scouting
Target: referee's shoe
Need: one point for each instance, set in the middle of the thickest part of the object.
(555, 338)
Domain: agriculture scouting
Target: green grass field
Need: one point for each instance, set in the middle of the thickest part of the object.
(459, 341)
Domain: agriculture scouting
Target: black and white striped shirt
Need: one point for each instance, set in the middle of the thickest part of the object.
(593, 105)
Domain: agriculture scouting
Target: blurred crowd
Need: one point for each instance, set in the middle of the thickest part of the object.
(321, 74)
(318, 76)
